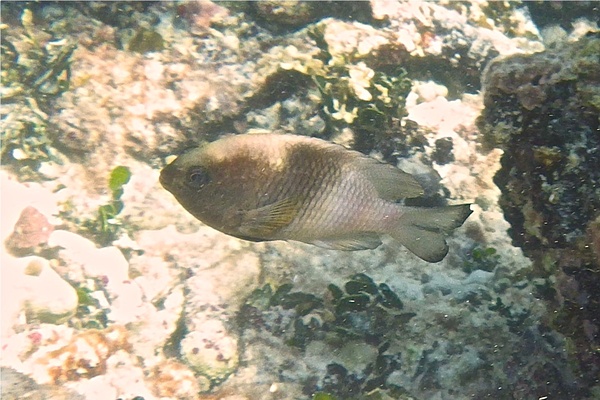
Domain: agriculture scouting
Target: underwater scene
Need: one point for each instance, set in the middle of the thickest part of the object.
(273, 200)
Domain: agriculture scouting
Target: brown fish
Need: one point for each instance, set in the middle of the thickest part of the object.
(286, 187)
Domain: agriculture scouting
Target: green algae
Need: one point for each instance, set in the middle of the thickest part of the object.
(352, 93)
(106, 226)
(485, 259)
(146, 41)
(90, 314)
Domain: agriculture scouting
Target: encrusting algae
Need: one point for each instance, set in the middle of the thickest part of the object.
(263, 187)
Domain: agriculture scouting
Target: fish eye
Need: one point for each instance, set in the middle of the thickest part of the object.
(198, 178)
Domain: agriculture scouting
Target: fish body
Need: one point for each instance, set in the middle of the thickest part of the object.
(285, 187)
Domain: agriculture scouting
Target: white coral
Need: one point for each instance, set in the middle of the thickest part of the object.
(360, 80)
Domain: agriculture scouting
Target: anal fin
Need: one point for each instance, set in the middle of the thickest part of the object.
(360, 241)
(427, 245)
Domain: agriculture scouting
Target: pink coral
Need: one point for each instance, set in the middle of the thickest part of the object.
(31, 229)
(84, 356)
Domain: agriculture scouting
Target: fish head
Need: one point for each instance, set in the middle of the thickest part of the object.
(194, 179)
(187, 174)
(214, 182)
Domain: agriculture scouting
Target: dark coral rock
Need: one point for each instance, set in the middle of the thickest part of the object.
(340, 382)
(543, 111)
(284, 15)
(120, 14)
(443, 151)
(563, 13)
(538, 111)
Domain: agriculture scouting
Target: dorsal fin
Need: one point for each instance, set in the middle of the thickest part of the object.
(390, 182)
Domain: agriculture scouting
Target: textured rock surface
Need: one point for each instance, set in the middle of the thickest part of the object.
(543, 110)
(15, 385)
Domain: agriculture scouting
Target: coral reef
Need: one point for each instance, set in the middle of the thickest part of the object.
(35, 72)
(84, 356)
(110, 290)
(542, 110)
(370, 332)
(210, 351)
(174, 380)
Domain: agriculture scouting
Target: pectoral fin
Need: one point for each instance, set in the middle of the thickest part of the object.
(264, 221)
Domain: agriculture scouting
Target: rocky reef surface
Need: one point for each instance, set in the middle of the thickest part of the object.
(110, 290)
(543, 110)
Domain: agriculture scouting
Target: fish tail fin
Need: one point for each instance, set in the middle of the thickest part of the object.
(423, 231)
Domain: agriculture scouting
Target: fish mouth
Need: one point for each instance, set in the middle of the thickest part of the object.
(168, 176)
